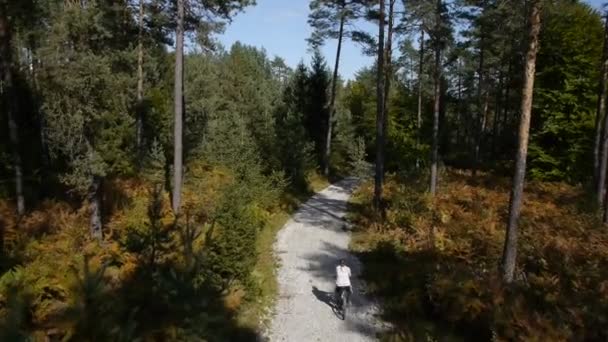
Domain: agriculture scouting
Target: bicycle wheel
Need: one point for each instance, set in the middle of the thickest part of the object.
(344, 299)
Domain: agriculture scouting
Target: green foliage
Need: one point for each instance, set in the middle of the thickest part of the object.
(14, 306)
(296, 150)
(403, 150)
(89, 309)
(149, 238)
(325, 17)
(357, 159)
(317, 99)
(566, 93)
(343, 141)
(238, 216)
(231, 253)
(360, 100)
(232, 99)
(88, 122)
(154, 163)
(249, 91)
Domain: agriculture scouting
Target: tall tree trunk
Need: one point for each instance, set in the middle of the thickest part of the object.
(482, 114)
(44, 147)
(436, 110)
(496, 113)
(483, 125)
(605, 209)
(437, 103)
(379, 177)
(509, 255)
(95, 206)
(459, 106)
(388, 73)
(600, 151)
(601, 187)
(139, 124)
(179, 108)
(388, 65)
(412, 72)
(8, 96)
(506, 102)
(420, 71)
(332, 101)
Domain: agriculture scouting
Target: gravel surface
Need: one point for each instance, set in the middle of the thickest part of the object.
(309, 247)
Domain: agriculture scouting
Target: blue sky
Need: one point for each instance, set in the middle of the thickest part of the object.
(280, 27)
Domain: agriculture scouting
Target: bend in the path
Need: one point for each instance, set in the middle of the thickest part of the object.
(309, 246)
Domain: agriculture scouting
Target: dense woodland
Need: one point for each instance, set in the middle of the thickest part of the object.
(145, 168)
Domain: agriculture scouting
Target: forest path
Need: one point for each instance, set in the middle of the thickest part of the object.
(309, 247)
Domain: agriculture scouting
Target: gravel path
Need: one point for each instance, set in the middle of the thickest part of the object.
(309, 246)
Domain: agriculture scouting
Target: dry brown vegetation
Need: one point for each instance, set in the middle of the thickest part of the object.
(435, 265)
(149, 277)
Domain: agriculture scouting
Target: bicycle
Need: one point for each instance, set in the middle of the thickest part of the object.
(343, 301)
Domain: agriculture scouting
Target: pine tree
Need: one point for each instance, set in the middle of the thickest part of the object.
(420, 85)
(566, 90)
(296, 149)
(139, 124)
(317, 113)
(179, 108)
(380, 111)
(600, 151)
(280, 70)
(9, 103)
(87, 122)
(510, 247)
(223, 9)
(329, 18)
(440, 35)
(388, 63)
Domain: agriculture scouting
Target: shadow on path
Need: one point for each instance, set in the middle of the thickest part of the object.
(327, 298)
(324, 209)
(324, 297)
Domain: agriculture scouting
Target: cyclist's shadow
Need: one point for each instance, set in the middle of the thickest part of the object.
(327, 298)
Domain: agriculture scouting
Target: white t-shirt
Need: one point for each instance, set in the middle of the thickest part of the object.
(342, 276)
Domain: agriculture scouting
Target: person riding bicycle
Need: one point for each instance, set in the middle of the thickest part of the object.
(343, 280)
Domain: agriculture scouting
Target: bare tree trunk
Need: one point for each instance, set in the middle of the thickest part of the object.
(459, 107)
(179, 108)
(600, 151)
(379, 177)
(94, 197)
(437, 104)
(601, 187)
(420, 71)
(388, 72)
(496, 113)
(412, 72)
(506, 102)
(436, 110)
(332, 102)
(140, 84)
(388, 65)
(45, 158)
(482, 114)
(509, 255)
(8, 96)
(483, 125)
(605, 209)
